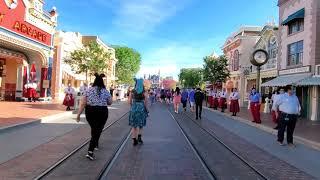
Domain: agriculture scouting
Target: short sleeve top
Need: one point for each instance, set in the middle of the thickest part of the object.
(96, 97)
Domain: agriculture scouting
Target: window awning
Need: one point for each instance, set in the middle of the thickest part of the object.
(311, 81)
(285, 80)
(297, 15)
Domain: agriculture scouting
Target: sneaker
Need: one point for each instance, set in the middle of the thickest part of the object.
(90, 156)
(291, 145)
(280, 143)
(96, 149)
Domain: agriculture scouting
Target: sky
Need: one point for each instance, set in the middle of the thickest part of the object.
(169, 34)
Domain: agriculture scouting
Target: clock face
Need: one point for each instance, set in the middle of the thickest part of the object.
(260, 57)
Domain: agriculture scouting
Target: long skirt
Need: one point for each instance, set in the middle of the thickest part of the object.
(210, 101)
(68, 100)
(31, 93)
(215, 103)
(223, 103)
(234, 106)
(138, 115)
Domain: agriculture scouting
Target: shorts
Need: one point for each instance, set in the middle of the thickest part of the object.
(192, 103)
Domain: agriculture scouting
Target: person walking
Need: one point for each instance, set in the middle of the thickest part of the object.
(138, 111)
(69, 97)
(223, 100)
(192, 100)
(176, 100)
(95, 102)
(198, 97)
(255, 105)
(234, 102)
(289, 109)
(184, 99)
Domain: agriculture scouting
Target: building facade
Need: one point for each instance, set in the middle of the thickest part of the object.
(299, 52)
(238, 49)
(26, 32)
(64, 44)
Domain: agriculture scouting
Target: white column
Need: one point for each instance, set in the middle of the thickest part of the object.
(19, 83)
(314, 103)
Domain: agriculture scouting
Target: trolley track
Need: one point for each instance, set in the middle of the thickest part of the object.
(216, 138)
(51, 169)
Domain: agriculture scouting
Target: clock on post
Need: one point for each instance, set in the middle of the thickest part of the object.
(259, 58)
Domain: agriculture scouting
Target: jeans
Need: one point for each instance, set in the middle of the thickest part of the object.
(97, 117)
(286, 121)
(198, 110)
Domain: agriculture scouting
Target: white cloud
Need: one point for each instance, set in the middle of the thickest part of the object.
(140, 17)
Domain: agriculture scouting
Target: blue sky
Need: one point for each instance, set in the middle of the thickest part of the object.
(169, 34)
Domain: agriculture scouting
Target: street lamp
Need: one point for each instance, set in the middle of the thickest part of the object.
(259, 58)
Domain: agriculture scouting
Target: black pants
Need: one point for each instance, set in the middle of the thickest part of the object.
(97, 117)
(286, 121)
(184, 104)
(198, 109)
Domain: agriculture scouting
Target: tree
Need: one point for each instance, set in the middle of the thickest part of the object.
(92, 58)
(129, 61)
(215, 69)
(190, 77)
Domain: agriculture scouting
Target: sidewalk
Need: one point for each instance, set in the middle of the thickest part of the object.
(15, 113)
(306, 132)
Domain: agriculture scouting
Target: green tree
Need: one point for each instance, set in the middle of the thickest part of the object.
(215, 69)
(129, 61)
(90, 59)
(190, 77)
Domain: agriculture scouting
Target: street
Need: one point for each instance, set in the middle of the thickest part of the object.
(176, 146)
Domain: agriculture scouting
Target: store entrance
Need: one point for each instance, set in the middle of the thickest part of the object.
(304, 98)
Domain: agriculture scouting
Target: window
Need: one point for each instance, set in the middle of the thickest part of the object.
(295, 53)
(295, 26)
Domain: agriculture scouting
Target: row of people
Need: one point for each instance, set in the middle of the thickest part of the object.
(219, 99)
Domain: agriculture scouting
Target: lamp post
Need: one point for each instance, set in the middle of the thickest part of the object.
(259, 58)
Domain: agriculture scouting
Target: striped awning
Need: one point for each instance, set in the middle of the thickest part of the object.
(285, 80)
(311, 81)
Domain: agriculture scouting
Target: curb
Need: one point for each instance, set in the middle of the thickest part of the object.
(36, 121)
(301, 140)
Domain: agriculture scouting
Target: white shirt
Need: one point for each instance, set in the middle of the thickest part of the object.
(69, 90)
(223, 94)
(214, 95)
(234, 96)
(211, 93)
(288, 104)
(83, 89)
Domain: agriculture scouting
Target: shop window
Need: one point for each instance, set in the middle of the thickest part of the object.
(296, 26)
(295, 53)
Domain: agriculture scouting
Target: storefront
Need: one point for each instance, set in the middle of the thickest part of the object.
(25, 45)
(296, 77)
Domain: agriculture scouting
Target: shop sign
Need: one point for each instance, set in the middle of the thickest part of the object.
(31, 32)
(12, 18)
(304, 69)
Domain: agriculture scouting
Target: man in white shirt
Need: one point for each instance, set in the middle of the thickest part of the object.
(289, 108)
(275, 98)
(234, 102)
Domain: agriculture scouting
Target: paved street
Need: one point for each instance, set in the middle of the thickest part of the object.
(176, 146)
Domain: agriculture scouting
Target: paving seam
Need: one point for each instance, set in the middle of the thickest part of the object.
(214, 136)
(57, 164)
(256, 148)
(202, 161)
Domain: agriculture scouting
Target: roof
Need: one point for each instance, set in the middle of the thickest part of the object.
(280, 81)
(311, 81)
